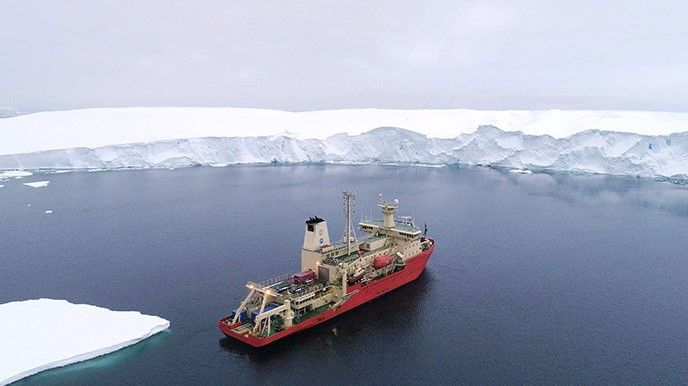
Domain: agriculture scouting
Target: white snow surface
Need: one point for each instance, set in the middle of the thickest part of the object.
(520, 171)
(37, 184)
(14, 174)
(41, 334)
(100, 127)
(651, 144)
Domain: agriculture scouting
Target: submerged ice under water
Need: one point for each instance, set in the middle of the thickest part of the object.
(536, 278)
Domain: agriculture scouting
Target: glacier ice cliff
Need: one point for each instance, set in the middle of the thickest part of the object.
(592, 151)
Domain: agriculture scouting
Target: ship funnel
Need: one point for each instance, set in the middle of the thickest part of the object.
(316, 235)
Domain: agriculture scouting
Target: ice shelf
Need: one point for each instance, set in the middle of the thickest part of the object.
(634, 143)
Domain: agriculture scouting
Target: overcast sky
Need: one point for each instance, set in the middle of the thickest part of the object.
(312, 55)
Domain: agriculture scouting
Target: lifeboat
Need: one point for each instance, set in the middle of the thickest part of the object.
(382, 261)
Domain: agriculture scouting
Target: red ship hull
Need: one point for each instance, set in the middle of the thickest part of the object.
(359, 294)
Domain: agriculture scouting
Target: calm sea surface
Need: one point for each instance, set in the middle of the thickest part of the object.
(536, 278)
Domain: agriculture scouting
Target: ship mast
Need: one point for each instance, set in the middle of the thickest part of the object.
(349, 232)
(388, 209)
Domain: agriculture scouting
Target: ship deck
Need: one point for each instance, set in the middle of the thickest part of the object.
(247, 327)
(347, 258)
(354, 255)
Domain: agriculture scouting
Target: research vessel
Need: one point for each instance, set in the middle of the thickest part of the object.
(334, 278)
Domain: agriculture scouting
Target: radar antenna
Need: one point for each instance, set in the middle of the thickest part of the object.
(349, 232)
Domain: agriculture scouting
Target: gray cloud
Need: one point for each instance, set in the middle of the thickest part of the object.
(320, 54)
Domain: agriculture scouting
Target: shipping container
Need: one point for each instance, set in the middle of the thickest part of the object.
(304, 277)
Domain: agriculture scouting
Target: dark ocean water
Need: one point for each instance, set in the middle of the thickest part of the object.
(535, 279)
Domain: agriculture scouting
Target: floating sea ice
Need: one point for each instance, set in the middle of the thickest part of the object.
(48, 212)
(42, 334)
(521, 171)
(37, 184)
(14, 174)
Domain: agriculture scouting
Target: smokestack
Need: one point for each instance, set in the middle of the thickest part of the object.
(316, 235)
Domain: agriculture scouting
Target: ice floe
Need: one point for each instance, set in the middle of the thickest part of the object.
(41, 334)
(37, 184)
(14, 174)
(520, 171)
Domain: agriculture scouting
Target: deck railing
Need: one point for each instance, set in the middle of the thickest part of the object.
(267, 283)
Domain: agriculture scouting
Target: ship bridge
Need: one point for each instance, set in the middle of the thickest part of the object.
(401, 228)
(389, 226)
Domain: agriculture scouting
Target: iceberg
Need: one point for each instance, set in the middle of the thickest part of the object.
(41, 334)
(635, 143)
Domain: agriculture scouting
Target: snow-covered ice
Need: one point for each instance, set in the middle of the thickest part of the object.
(100, 127)
(520, 171)
(37, 184)
(590, 151)
(14, 174)
(41, 334)
(648, 144)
